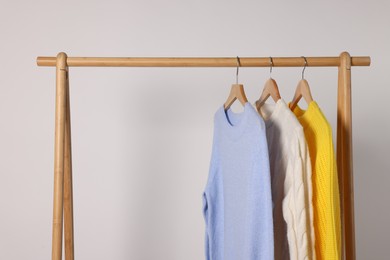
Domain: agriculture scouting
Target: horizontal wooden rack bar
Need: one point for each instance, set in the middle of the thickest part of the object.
(202, 62)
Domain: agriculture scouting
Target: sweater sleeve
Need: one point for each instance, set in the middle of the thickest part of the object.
(297, 207)
(208, 213)
(307, 177)
(206, 217)
(214, 220)
(333, 240)
(209, 201)
(294, 210)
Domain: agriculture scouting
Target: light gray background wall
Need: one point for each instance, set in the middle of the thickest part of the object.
(142, 136)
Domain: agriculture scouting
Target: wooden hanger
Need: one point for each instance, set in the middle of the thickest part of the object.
(302, 90)
(236, 92)
(270, 89)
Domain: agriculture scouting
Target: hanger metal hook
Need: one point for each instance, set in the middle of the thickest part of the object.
(304, 67)
(271, 64)
(238, 65)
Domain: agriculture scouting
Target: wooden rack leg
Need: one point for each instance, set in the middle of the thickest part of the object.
(344, 157)
(60, 115)
(68, 190)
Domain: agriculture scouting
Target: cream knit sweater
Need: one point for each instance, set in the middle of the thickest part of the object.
(291, 183)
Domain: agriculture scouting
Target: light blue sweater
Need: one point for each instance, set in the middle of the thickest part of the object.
(237, 203)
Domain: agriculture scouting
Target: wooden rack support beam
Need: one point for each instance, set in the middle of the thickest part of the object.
(59, 145)
(63, 197)
(344, 156)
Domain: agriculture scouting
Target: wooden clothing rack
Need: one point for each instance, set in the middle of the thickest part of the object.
(63, 197)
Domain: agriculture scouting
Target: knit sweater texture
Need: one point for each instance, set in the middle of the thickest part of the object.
(237, 203)
(291, 183)
(326, 200)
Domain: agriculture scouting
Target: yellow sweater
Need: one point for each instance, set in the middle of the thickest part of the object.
(326, 201)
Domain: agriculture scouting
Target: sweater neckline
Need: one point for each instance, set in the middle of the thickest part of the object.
(270, 112)
(234, 123)
(305, 116)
